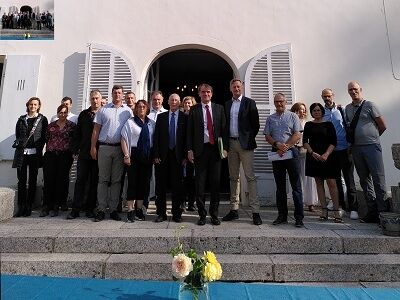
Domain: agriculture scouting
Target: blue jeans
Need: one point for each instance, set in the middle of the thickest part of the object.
(369, 166)
(292, 166)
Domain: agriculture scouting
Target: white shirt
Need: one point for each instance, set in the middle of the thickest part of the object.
(206, 135)
(131, 132)
(154, 113)
(234, 117)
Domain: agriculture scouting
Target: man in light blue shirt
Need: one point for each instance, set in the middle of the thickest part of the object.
(335, 114)
(282, 131)
(108, 124)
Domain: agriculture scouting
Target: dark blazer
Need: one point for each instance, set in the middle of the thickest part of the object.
(248, 122)
(83, 133)
(195, 134)
(161, 136)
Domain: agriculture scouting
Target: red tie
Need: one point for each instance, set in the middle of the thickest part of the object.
(210, 126)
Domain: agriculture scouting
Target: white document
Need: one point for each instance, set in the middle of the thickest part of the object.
(275, 156)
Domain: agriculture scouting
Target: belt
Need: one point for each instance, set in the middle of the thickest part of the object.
(110, 144)
(234, 138)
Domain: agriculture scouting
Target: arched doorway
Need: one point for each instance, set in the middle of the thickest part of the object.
(26, 9)
(181, 71)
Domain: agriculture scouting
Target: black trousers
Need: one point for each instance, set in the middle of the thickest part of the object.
(292, 167)
(56, 168)
(189, 183)
(87, 178)
(26, 197)
(208, 166)
(169, 170)
(347, 168)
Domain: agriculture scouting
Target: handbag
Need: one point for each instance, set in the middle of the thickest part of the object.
(351, 128)
(20, 143)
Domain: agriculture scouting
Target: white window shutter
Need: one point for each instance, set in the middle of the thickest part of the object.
(268, 73)
(106, 67)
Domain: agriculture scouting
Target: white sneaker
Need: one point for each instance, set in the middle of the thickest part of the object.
(330, 205)
(354, 215)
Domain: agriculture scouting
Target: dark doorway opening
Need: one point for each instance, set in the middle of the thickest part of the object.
(26, 9)
(182, 71)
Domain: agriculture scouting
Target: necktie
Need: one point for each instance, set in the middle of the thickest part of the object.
(210, 126)
(172, 132)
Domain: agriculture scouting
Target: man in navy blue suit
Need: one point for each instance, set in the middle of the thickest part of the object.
(242, 128)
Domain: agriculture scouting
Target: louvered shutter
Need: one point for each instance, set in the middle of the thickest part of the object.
(106, 67)
(268, 73)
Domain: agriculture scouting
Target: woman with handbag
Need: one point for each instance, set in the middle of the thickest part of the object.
(30, 133)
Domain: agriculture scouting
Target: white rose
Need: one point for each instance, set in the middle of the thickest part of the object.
(181, 266)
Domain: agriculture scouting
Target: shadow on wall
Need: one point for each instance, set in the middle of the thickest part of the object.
(6, 151)
(74, 77)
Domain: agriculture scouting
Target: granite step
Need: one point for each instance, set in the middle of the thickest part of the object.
(267, 268)
(251, 241)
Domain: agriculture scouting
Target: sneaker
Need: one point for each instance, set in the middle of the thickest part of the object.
(232, 215)
(140, 214)
(330, 205)
(354, 215)
(131, 216)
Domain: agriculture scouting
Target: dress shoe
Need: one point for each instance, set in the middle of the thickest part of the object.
(21, 212)
(53, 213)
(257, 219)
(160, 219)
(215, 221)
(27, 212)
(232, 215)
(177, 219)
(90, 214)
(299, 223)
(370, 219)
(43, 213)
(73, 215)
(201, 222)
(115, 216)
(99, 216)
(130, 216)
(140, 216)
(280, 220)
(64, 207)
(191, 207)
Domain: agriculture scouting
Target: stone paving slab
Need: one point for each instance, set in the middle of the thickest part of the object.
(368, 241)
(54, 264)
(337, 267)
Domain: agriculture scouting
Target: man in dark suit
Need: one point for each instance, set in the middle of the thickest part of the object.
(206, 125)
(242, 127)
(169, 155)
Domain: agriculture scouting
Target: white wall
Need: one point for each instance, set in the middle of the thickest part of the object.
(333, 42)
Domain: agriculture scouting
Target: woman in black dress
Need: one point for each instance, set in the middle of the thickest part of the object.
(319, 139)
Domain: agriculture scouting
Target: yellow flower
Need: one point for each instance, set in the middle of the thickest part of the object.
(181, 266)
(210, 257)
(212, 271)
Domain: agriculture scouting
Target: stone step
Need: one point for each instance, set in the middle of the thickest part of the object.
(264, 240)
(269, 268)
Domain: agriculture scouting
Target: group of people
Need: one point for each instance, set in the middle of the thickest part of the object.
(27, 20)
(182, 148)
(327, 149)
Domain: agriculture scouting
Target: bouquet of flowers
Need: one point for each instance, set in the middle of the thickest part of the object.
(194, 271)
